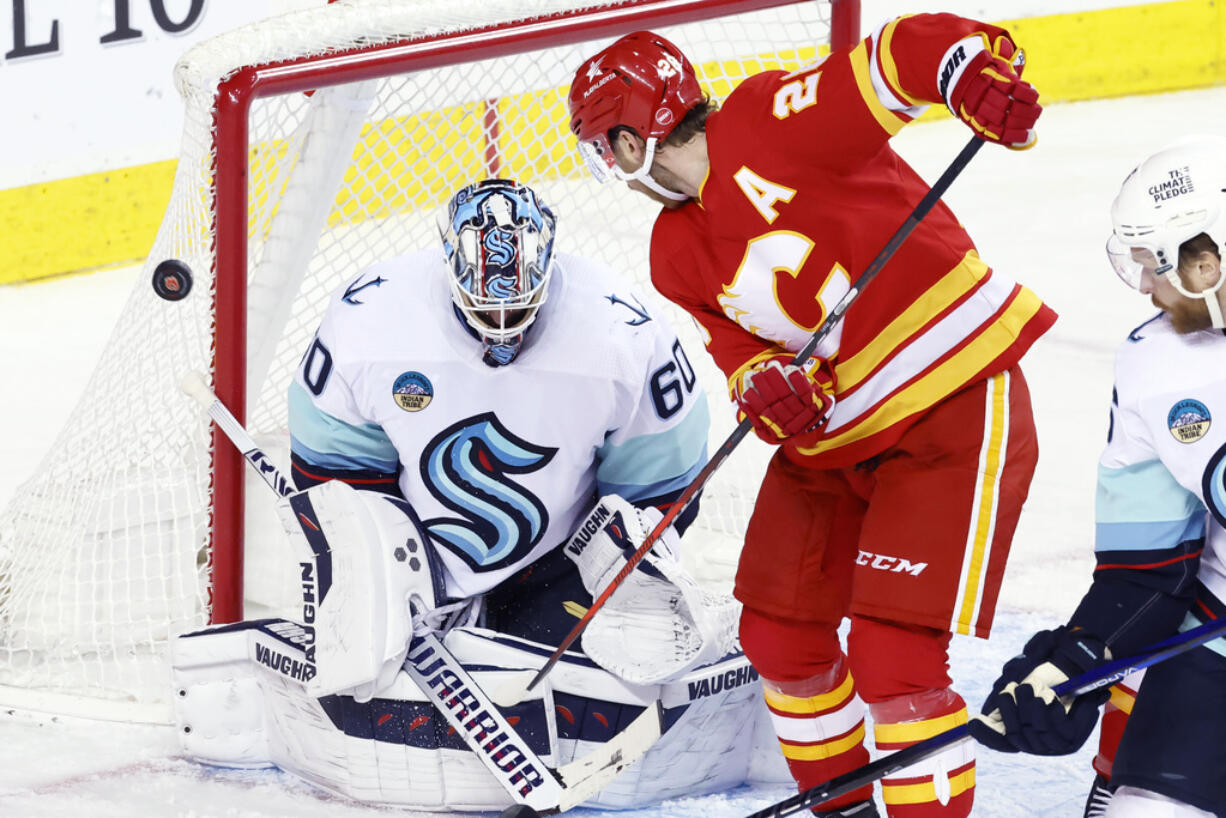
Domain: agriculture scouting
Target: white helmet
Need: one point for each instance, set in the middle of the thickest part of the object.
(1171, 197)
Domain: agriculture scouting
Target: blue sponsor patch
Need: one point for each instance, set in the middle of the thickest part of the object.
(1188, 420)
(413, 391)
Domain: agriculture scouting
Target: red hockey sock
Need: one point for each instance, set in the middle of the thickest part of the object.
(1115, 717)
(814, 708)
(820, 724)
(941, 786)
(904, 678)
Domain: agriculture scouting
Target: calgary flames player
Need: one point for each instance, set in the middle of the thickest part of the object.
(907, 445)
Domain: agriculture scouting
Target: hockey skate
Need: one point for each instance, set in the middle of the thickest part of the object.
(1100, 796)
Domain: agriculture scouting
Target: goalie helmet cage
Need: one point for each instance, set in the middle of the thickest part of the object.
(314, 144)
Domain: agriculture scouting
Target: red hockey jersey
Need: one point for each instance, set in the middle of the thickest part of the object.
(802, 193)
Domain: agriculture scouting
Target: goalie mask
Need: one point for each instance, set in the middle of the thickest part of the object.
(1171, 197)
(498, 239)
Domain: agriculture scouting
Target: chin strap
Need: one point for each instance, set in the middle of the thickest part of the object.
(643, 174)
(1215, 309)
(1210, 296)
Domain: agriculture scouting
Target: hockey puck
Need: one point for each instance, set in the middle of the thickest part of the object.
(172, 280)
(519, 811)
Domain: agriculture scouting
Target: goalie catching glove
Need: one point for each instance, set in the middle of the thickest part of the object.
(659, 624)
(980, 78)
(782, 399)
(1023, 713)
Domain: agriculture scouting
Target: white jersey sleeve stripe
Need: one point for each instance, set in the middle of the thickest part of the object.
(1142, 493)
(1147, 536)
(650, 460)
(325, 440)
(640, 491)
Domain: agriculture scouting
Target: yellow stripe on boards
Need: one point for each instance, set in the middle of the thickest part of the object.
(1146, 49)
(1131, 50)
(103, 219)
(81, 224)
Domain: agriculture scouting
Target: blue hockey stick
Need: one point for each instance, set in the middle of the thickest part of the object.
(1100, 676)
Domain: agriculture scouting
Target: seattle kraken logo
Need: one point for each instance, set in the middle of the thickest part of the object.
(465, 467)
(1214, 485)
(499, 247)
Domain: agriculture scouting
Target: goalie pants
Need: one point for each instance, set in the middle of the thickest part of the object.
(1172, 743)
(541, 602)
(910, 545)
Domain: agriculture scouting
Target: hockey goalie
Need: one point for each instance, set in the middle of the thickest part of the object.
(453, 423)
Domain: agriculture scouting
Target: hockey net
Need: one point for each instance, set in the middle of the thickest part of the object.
(315, 144)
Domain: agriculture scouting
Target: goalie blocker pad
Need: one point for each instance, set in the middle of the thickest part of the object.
(241, 701)
(366, 577)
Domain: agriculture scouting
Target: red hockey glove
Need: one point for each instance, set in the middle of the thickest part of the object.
(982, 85)
(781, 400)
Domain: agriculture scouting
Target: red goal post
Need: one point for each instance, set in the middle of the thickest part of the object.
(251, 82)
(315, 144)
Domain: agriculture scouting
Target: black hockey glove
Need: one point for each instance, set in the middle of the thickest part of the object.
(1022, 713)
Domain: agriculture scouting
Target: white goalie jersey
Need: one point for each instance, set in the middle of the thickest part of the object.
(499, 462)
(1162, 475)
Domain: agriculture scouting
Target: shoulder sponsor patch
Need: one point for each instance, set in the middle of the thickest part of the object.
(413, 391)
(1188, 420)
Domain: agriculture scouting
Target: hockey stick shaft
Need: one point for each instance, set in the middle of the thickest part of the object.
(193, 384)
(1114, 671)
(742, 429)
(1092, 679)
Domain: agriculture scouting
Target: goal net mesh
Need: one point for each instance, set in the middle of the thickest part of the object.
(106, 552)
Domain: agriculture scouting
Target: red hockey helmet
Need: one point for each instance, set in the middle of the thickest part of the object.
(643, 82)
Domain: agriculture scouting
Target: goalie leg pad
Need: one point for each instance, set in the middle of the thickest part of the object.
(244, 703)
(705, 747)
(365, 568)
(218, 701)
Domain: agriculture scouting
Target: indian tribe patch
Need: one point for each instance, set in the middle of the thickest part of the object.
(1188, 420)
(413, 391)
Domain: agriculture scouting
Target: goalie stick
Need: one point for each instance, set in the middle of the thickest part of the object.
(193, 384)
(1092, 679)
(512, 692)
(458, 697)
